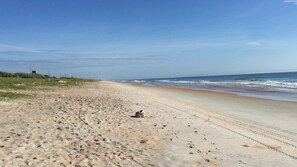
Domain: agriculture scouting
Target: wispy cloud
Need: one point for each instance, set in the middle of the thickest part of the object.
(53, 59)
(11, 51)
(85, 62)
(254, 43)
(4, 47)
(138, 49)
(290, 1)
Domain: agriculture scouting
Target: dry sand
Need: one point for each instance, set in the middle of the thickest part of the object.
(92, 125)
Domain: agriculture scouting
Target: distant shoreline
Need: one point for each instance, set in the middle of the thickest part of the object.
(208, 91)
(275, 86)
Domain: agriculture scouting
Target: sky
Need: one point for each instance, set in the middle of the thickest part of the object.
(128, 39)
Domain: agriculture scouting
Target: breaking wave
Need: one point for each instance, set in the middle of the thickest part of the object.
(242, 83)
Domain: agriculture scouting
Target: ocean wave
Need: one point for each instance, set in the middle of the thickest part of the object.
(292, 84)
(176, 82)
(261, 84)
(138, 81)
(278, 84)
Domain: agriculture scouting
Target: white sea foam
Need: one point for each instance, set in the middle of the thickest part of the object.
(240, 83)
(138, 81)
(262, 84)
(278, 85)
(177, 82)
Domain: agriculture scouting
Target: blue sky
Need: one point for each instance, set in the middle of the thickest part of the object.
(125, 39)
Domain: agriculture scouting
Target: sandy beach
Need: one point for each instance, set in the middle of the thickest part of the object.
(93, 125)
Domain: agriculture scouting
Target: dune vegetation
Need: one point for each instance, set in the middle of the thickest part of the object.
(26, 81)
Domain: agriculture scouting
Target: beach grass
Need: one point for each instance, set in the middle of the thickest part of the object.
(38, 83)
(17, 83)
(10, 95)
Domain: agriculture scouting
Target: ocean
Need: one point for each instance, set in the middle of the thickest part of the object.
(276, 86)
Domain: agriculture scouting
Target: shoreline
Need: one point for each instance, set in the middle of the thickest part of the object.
(270, 123)
(275, 86)
(208, 91)
(93, 124)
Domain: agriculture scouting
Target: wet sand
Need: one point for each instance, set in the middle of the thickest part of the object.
(92, 125)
